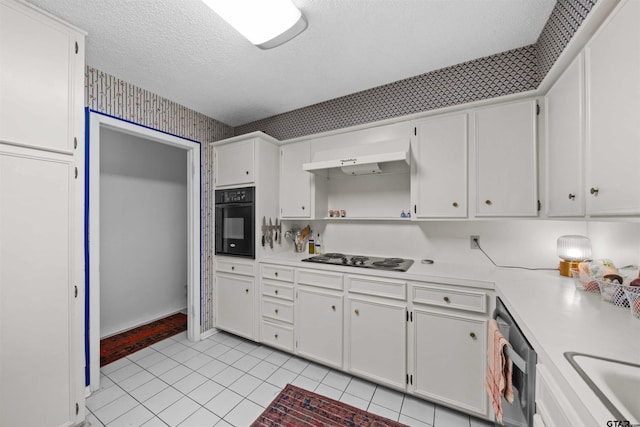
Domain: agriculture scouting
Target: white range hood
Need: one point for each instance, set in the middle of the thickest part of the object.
(363, 159)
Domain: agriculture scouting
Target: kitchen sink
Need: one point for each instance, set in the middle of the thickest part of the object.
(616, 383)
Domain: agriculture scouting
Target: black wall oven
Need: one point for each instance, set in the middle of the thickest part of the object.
(235, 222)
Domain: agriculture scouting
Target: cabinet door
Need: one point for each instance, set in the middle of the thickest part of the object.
(439, 148)
(37, 57)
(234, 163)
(450, 358)
(235, 304)
(319, 326)
(295, 183)
(613, 104)
(37, 303)
(564, 107)
(506, 160)
(376, 340)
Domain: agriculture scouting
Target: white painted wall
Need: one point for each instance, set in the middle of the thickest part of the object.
(143, 231)
(520, 242)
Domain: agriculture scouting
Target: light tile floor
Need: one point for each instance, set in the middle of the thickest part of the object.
(224, 380)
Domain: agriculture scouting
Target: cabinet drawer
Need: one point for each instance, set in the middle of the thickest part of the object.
(235, 267)
(450, 298)
(396, 289)
(323, 279)
(277, 310)
(277, 336)
(277, 273)
(277, 289)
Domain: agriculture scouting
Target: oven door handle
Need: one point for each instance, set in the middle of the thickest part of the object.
(504, 326)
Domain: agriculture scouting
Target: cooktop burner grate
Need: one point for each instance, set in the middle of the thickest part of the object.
(334, 258)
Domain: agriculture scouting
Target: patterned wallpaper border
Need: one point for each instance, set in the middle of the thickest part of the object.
(110, 95)
(515, 71)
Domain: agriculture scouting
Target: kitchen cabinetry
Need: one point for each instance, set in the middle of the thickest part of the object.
(375, 329)
(439, 167)
(552, 407)
(296, 185)
(319, 317)
(505, 160)
(613, 101)
(276, 303)
(41, 219)
(234, 163)
(564, 109)
(452, 322)
(235, 297)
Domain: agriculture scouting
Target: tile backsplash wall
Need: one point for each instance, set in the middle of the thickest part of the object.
(505, 73)
(109, 95)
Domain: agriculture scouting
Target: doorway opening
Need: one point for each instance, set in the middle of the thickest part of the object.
(187, 204)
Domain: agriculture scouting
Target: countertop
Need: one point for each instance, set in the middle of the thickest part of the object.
(554, 316)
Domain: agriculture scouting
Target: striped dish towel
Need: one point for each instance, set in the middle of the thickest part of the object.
(499, 369)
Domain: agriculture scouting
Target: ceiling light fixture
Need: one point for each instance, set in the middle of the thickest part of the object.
(265, 23)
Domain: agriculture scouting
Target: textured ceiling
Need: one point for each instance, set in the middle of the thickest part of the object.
(181, 50)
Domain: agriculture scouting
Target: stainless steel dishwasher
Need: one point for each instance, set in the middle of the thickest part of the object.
(520, 412)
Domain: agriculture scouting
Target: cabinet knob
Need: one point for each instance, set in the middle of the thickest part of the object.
(473, 335)
(446, 299)
(594, 191)
(232, 268)
(276, 274)
(302, 207)
(275, 336)
(357, 312)
(276, 292)
(455, 204)
(276, 311)
(333, 307)
(246, 291)
(572, 196)
(246, 172)
(488, 202)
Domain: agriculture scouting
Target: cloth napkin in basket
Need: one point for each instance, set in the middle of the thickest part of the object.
(499, 369)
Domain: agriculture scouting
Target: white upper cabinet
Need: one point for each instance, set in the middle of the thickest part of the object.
(439, 167)
(40, 60)
(505, 144)
(235, 163)
(295, 183)
(565, 143)
(613, 109)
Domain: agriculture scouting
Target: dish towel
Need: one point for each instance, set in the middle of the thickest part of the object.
(499, 369)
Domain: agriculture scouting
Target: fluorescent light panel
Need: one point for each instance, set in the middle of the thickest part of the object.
(265, 23)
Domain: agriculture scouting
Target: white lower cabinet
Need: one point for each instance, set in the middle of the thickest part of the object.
(448, 349)
(319, 325)
(276, 303)
(377, 340)
(235, 300)
(552, 407)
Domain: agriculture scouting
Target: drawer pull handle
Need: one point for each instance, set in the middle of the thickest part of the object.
(455, 204)
(333, 307)
(276, 311)
(488, 202)
(246, 172)
(446, 299)
(302, 207)
(232, 268)
(473, 335)
(276, 273)
(594, 191)
(357, 312)
(276, 292)
(572, 196)
(276, 336)
(246, 291)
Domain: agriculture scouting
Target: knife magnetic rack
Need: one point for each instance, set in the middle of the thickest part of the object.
(269, 230)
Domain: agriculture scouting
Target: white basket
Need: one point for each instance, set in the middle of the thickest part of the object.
(613, 293)
(584, 282)
(633, 296)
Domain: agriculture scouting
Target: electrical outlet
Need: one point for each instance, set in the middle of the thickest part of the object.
(475, 242)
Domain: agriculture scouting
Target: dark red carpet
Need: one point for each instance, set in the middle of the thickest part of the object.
(128, 342)
(298, 407)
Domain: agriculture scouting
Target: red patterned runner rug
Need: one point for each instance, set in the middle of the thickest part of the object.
(121, 345)
(298, 407)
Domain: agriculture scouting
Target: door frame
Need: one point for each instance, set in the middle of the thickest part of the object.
(96, 121)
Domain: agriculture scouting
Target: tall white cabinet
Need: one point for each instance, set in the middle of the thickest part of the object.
(41, 211)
